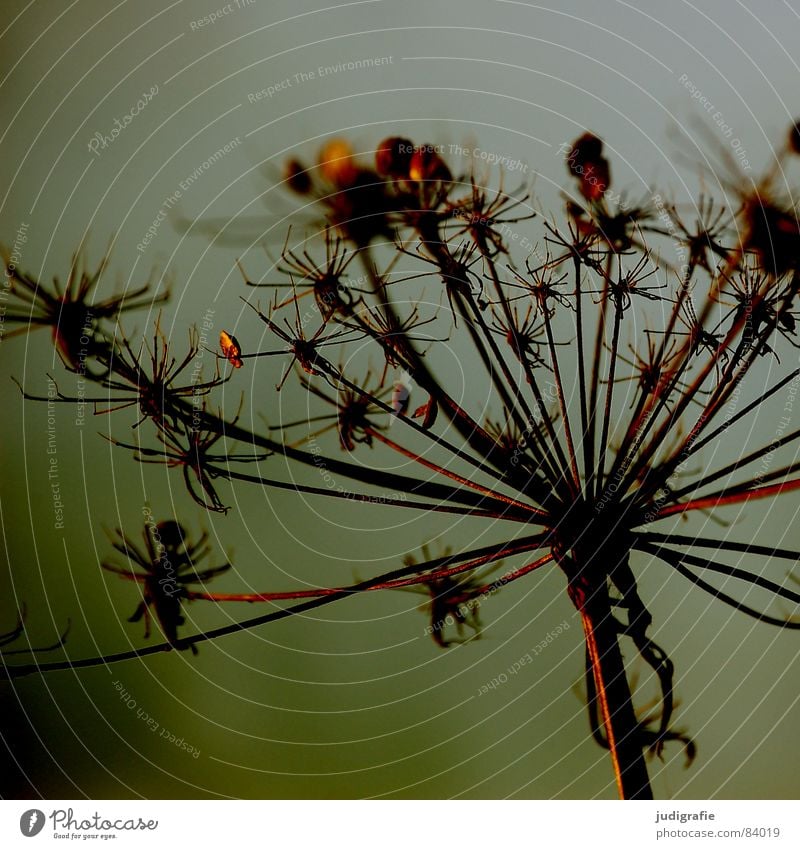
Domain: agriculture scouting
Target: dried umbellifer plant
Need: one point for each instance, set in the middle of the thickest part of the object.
(609, 369)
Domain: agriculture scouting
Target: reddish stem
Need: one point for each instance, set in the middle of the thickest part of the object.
(724, 498)
(319, 592)
(375, 434)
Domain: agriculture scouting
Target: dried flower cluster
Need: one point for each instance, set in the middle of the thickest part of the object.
(610, 368)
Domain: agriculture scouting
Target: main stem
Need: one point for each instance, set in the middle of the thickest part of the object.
(611, 683)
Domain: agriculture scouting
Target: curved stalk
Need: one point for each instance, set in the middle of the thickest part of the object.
(614, 697)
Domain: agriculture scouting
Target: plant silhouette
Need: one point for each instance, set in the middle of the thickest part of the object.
(608, 369)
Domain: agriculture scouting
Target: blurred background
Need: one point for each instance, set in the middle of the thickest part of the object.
(355, 700)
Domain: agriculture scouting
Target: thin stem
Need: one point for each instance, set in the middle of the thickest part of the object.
(346, 495)
(636, 464)
(588, 460)
(614, 698)
(562, 402)
(709, 411)
(472, 433)
(505, 396)
(723, 569)
(650, 406)
(482, 556)
(439, 250)
(438, 440)
(364, 474)
(500, 582)
(594, 384)
(676, 562)
(724, 497)
(490, 340)
(375, 434)
(555, 467)
(697, 445)
(724, 545)
(738, 464)
(667, 336)
(588, 569)
(601, 457)
(435, 575)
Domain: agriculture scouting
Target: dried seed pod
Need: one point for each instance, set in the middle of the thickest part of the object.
(427, 165)
(427, 412)
(231, 349)
(297, 177)
(170, 533)
(794, 137)
(336, 162)
(587, 163)
(773, 233)
(393, 157)
(585, 150)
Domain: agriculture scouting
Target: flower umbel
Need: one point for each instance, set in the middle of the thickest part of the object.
(596, 377)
